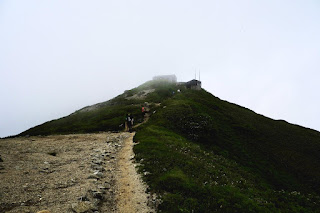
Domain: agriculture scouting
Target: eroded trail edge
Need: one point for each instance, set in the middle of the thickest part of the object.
(131, 193)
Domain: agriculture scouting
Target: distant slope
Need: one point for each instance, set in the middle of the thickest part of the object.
(106, 116)
(203, 154)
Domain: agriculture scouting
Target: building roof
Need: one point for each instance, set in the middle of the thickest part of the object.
(193, 82)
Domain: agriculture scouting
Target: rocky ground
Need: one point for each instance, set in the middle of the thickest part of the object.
(71, 173)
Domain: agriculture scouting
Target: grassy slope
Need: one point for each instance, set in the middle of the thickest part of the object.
(107, 117)
(206, 155)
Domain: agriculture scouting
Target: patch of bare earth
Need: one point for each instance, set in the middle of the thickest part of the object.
(68, 173)
(141, 95)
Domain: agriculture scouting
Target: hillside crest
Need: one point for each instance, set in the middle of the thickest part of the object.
(204, 154)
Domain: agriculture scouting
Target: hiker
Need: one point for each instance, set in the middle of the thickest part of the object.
(143, 110)
(131, 120)
(126, 124)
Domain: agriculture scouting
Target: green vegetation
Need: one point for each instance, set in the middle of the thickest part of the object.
(107, 116)
(202, 154)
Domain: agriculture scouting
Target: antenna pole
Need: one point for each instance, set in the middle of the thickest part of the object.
(195, 74)
(199, 74)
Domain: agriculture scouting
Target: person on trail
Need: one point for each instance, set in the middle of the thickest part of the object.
(131, 122)
(126, 128)
(143, 111)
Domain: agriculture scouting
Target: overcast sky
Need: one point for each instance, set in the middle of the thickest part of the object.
(59, 56)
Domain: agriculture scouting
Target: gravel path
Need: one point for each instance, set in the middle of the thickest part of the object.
(131, 196)
(71, 173)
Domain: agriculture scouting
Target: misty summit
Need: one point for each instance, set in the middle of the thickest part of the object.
(168, 78)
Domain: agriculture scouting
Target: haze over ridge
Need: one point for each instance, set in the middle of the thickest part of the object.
(57, 58)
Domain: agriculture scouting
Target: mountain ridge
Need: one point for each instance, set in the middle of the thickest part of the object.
(196, 148)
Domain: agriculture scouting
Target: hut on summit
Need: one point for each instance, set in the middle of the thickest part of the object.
(168, 78)
(193, 84)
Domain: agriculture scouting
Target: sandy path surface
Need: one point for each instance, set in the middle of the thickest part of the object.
(70, 173)
(131, 196)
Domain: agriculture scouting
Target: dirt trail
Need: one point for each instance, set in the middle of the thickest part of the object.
(131, 196)
(71, 173)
